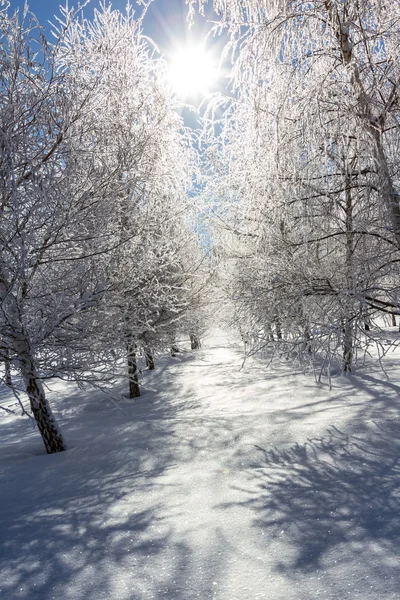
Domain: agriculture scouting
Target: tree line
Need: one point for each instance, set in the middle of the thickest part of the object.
(304, 157)
(99, 255)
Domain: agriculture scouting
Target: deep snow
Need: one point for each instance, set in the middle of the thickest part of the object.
(218, 483)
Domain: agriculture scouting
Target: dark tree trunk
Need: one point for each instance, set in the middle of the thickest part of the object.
(49, 430)
(347, 331)
(134, 391)
(307, 338)
(393, 320)
(194, 342)
(7, 369)
(149, 359)
(347, 357)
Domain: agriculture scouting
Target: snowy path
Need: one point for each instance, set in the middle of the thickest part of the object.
(208, 488)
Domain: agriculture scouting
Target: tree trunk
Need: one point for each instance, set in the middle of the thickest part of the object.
(134, 391)
(149, 359)
(194, 342)
(49, 430)
(174, 350)
(307, 338)
(393, 320)
(347, 347)
(374, 124)
(278, 328)
(387, 189)
(7, 370)
(348, 341)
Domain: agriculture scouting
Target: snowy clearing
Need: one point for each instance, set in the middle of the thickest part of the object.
(217, 483)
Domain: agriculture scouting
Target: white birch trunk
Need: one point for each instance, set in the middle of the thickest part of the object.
(47, 425)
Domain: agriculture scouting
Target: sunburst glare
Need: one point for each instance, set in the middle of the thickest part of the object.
(192, 71)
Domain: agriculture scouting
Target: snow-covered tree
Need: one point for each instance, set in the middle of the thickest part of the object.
(46, 217)
(147, 152)
(307, 160)
(94, 167)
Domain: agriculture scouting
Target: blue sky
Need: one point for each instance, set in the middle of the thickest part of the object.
(165, 23)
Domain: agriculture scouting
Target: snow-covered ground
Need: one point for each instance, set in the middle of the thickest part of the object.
(218, 483)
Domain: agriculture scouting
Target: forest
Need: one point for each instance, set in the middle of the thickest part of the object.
(200, 324)
(122, 229)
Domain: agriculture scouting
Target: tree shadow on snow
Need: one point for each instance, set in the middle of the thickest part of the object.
(334, 498)
(93, 523)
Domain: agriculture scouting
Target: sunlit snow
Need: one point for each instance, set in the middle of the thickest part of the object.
(219, 482)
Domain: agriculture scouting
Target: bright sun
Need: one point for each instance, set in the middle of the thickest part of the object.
(192, 71)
